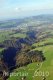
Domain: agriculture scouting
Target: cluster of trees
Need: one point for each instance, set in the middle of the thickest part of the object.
(24, 58)
(19, 53)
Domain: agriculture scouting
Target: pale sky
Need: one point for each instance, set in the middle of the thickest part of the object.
(23, 8)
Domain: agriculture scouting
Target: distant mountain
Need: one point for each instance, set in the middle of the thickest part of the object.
(46, 17)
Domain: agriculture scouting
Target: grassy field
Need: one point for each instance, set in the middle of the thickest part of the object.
(44, 70)
(45, 41)
(18, 35)
(6, 35)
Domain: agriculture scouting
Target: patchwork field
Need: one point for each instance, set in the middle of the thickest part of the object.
(26, 51)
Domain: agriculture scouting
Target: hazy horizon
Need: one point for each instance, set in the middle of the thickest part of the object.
(24, 8)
